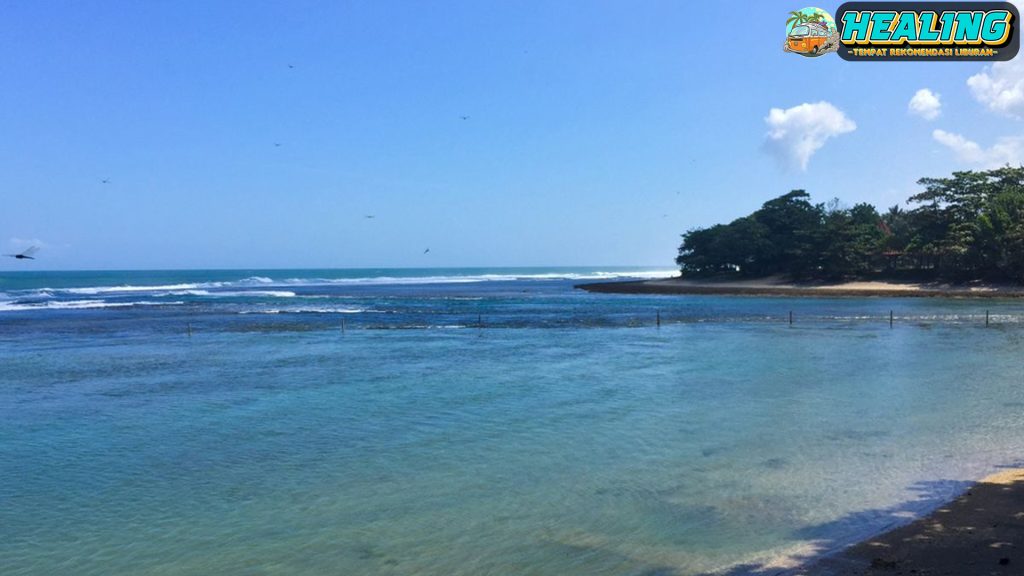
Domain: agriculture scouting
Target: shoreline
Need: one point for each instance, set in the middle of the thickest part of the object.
(775, 286)
(979, 532)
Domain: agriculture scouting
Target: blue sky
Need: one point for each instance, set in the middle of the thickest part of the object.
(597, 132)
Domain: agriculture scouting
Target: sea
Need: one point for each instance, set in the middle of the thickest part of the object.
(479, 422)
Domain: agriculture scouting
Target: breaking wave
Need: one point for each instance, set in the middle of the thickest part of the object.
(9, 306)
(314, 310)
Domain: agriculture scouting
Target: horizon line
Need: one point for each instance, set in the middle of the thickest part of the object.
(252, 268)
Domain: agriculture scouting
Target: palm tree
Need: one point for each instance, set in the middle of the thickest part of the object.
(796, 19)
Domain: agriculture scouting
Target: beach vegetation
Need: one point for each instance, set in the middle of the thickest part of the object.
(967, 226)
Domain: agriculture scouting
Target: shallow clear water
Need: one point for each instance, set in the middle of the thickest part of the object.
(499, 424)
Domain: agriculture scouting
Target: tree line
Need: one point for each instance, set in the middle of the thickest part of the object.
(969, 226)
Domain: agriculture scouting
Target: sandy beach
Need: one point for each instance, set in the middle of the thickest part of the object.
(778, 286)
(979, 533)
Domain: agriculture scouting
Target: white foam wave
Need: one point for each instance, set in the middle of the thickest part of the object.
(159, 292)
(313, 310)
(227, 293)
(96, 290)
(225, 288)
(76, 305)
(251, 293)
(257, 280)
(201, 288)
(474, 278)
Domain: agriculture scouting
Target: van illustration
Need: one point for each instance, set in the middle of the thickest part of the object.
(808, 38)
(811, 32)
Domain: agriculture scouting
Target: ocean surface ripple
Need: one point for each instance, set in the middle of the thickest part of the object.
(466, 422)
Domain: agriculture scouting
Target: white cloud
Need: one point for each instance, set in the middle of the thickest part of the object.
(1000, 87)
(1004, 151)
(926, 104)
(796, 133)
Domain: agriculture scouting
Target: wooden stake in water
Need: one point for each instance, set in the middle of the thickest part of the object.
(658, 318)
(189, 329)
(890, 318)
(342, 324)
(986, 318)
(480, 320)
(790, 317)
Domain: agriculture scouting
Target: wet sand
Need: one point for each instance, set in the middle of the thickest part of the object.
(777, 286)
(979, 533)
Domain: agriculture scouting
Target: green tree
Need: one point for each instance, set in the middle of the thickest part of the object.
(969, 225)
(796, 19)
(795, 230)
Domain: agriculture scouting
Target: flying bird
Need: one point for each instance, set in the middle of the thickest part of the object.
(427, 250)
(277, 144)
(464, 117)
(105, 181)
(26, 255)
(370, 216)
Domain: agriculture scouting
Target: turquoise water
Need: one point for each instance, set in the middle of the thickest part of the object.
(478, 422)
